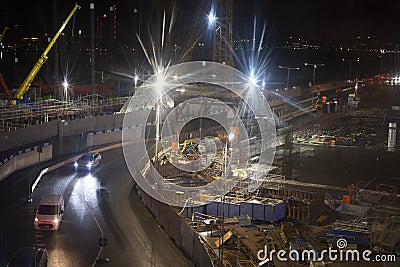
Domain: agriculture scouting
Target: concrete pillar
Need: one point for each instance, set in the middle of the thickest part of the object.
(392, 135)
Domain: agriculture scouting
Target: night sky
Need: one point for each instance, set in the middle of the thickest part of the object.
(332, 20)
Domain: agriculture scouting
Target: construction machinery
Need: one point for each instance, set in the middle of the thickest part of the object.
(222, 39)
(3, 83)
(222, 34)
(3, 33)
(196, 33)
(19, 95)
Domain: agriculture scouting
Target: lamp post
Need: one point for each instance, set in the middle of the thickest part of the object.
(315, 66)
(137, 25)
(231, 136)
(288, 74)
(159, 84)
(350, 63)
(65, 85)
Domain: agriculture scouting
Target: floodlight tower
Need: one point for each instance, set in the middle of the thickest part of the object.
(222, 41)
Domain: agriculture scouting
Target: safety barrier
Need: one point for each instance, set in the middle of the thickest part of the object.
(25, 158)
(184, 236)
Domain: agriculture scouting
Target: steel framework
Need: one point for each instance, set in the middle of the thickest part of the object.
(222, 41)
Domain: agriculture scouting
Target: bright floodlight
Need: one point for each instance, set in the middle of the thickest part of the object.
(252, 79)
(211, 18)
(135, 80)
(160, 81)
(65, 84)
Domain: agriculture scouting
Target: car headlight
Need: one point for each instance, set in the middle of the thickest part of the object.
(36, 219)
(55, 220)
(89, 165)
(76, 164)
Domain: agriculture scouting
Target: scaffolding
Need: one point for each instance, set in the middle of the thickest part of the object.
(21, 116)
(385, 234)
(372, 192)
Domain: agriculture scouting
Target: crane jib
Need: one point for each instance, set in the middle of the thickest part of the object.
(39, 63)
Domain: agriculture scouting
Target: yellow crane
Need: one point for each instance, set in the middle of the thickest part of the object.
(3, 33)
(28, 80)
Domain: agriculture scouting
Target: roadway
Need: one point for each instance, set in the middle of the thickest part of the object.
(104, 201)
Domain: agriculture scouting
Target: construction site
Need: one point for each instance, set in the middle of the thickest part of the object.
(302, 205)
(333, 184)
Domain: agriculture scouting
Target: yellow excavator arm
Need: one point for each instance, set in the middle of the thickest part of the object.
(28, 80)
(3, 33)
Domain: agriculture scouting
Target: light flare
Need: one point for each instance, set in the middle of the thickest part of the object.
(254, 60)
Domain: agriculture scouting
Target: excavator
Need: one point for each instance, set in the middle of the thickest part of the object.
(19, 95)
(3, 33)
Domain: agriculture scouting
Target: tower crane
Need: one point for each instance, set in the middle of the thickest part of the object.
(39, 63)
(196, 33)
(222, 41)
(222, 35)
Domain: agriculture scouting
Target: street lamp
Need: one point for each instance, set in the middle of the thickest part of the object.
(212, 19)
(65, 84)
(136, 79)
(159, 84)
(350, 62)
(288, 73)
(231, 137)
(315, 66)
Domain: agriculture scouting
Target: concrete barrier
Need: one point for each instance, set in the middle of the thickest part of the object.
(184, 236)
(29, 158)
(30, 135)
(58, 129)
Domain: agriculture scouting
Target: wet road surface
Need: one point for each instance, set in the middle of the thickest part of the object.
(103, 202)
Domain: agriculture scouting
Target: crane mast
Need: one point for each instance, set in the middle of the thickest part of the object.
(222, 41)
(39, 63)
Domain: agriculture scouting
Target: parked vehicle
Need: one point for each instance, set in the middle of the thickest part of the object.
(49, 213)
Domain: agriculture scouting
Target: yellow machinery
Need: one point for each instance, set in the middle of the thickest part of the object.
(28, 80)
(3, 33)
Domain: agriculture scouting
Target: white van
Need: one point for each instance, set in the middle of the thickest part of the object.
(49, 213)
